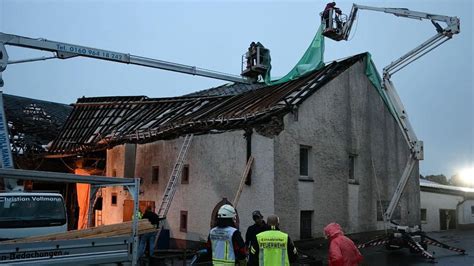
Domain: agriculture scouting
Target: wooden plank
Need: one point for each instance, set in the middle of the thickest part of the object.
(242, 181)
(120, 229)
(121, 233)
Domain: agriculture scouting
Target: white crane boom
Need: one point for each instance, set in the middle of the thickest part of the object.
(66, 50)
(339, 29)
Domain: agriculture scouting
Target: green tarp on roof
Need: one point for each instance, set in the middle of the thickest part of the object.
(313, 59)
(374, 77)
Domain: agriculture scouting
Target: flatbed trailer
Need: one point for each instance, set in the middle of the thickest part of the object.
(61, 252)
(106, 249)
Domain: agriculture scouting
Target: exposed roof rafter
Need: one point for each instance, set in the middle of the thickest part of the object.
(102, 122)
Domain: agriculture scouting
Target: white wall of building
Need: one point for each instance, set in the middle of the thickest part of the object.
(115, 167)
(466, 212)
(433, 202)
(216, 163)
(345, 117)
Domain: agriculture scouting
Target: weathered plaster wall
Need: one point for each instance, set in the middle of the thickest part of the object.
(216, 163)
(433, 202)
(347, 116)
(120, 163)
(466, 212)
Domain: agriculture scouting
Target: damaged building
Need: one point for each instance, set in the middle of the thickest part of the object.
(326, 147)
(32, 125)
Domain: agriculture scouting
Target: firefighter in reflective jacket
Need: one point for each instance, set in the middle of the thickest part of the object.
(273, 247)
(225, 242)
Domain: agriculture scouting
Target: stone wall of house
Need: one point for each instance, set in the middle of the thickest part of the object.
(465, 213)
(120, 163)
(434, 203)
(216, 163)
(346, 118)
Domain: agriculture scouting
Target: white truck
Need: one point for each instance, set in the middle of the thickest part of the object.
(27, 214)
(24, 214)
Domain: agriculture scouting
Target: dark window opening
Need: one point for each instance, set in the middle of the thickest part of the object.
(185, 175)
(423, 215)
(447, 219)
(114, 199)
(248, 138)
(114, 173)
(306, 224)
(304, 161)
(183, 221)
(352, 167)
(155, 174)
(472, 210)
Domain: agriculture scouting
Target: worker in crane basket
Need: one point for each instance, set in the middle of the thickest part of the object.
(225, 242)
(342, 251)
(326, 18)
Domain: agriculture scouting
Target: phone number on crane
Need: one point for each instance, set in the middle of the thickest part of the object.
(90, 52)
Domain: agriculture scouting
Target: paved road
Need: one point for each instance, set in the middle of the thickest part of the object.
(462, 239)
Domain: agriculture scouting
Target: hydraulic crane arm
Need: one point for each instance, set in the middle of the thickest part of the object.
(452, 23)
(66, 50)
(415, 145)
(442, 35)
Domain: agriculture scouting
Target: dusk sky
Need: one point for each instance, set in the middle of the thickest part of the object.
(437, 90)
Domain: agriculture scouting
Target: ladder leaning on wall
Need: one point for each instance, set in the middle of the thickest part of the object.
(174, 178)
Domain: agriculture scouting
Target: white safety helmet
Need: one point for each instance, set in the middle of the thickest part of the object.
(226, 211)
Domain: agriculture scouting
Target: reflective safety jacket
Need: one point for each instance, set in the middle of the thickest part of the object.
(222, 247)
(272, 248)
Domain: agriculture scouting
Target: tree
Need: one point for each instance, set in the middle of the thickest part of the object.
(456, 180)
(440, 179)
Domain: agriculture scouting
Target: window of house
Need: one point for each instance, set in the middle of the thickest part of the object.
(183, 221)
(423, 215)
(304, 160)
(114, 199)
(185, 175)
(352, 158)
(114, 172)
(472, 210)
(155, 174)
(306, 218)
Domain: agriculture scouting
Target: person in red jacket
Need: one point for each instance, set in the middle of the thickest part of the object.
(342, 251)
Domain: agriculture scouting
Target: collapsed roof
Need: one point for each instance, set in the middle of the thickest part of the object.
(33, 123)
(227, 89)
(99, 123)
